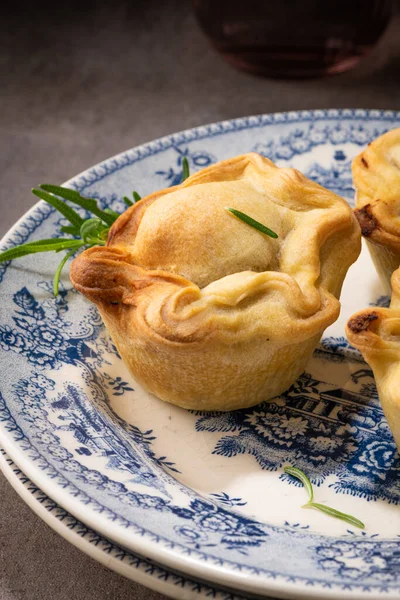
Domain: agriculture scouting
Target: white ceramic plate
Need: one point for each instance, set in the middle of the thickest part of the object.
(107, 553)
(205, 494)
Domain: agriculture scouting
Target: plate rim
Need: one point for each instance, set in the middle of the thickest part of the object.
(159, 576)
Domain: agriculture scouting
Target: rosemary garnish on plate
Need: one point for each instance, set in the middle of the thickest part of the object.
(185, 169)
(87, 232)
(136, 198)
(332, 512)
(92, 231)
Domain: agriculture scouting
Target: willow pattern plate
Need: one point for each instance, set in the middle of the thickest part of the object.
(205, 494)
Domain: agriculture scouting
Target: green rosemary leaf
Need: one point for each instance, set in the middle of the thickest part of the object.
(92, 230)
(252, 222)
(57, 274)
(111, 212)
(46, 245)
(63, 208)
(301, 476)
(103, 236)
(89, 204)
(136, 198)
(185, 169)
(62, 192)
(332, 512)
(45, 241)
(70, 229)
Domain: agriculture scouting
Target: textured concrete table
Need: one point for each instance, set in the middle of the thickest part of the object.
(80, 84)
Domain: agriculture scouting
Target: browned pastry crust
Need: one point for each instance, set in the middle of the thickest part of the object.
(376, 175)
(376, 333)
(207, 312)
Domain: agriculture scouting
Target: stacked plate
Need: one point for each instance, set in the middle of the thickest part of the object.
(203, 496)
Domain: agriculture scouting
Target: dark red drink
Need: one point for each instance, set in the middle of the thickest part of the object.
(291, 38)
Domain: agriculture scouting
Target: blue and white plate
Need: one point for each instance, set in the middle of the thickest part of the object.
(112, 556)
(205, 493)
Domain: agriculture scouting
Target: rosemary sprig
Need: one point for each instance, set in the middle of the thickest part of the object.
(185, 169)
(47, 245)
(70, 229)
(68, 212)
(89, 204)
(57, 274)
(252, 222)
(332, 512)
(92, 231)
(87, 232)
(295, 472)
(136, 198)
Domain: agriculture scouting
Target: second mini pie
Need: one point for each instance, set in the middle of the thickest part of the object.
(376, 175)
(375, 332)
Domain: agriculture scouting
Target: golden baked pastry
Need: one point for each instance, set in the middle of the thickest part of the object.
(376, 175)
(376, 333)
(207, 312)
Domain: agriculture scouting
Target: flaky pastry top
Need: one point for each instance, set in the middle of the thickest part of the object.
(193, 271)
(376, 176)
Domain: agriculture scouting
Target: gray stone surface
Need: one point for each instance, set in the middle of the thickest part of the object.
(37, 564)
(80, 83)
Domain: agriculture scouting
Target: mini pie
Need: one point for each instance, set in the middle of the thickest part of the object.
(207, 312)
(376, 333)
(376, 175)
